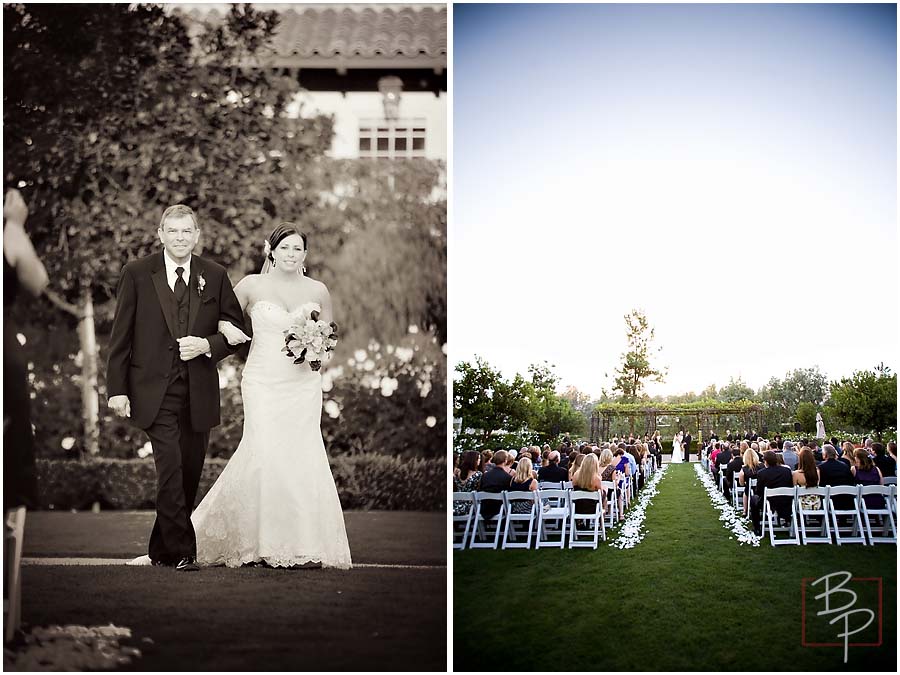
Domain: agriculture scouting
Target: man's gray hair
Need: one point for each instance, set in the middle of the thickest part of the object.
(829, 451)
(177, 211)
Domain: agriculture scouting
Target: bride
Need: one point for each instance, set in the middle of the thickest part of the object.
(676, 449)
(275, 502)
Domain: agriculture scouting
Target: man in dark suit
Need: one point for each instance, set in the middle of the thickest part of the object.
(885, 463)
(162, 372)
(772, 476)
(553, 472)
(734, 466)
(686, 446)
(496, 480)
(834, 472)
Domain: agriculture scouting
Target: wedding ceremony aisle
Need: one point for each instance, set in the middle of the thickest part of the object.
(689, 596)
(388, 613)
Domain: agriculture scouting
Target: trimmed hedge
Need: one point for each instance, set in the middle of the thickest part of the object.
(375, 482)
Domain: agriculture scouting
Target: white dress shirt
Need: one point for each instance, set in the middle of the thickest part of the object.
(172, 275)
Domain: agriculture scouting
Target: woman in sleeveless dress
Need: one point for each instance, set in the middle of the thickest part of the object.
(276, 502)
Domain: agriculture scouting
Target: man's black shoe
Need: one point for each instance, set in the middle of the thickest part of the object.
(188, 564)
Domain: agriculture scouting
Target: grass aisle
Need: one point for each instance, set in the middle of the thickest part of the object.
(687, 597)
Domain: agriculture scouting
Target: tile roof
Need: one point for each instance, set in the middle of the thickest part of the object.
(355, 31)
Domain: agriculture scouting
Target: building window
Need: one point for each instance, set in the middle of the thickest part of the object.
(392, 139)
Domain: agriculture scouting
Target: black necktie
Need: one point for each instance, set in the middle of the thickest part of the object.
(180, 285)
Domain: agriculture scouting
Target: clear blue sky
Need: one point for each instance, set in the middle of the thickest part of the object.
(675, 158)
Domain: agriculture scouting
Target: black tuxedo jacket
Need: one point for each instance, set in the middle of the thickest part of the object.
(553, 474)
(686, 442)
(834, 472)
(143, 344)
(776, 477)
(495, 480)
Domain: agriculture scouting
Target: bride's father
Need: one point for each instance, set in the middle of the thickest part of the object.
(162, 370)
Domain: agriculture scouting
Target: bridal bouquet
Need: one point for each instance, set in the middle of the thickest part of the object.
(310, 340)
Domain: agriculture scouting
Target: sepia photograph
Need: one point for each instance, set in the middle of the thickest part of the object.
(225, 336)
(673, 329)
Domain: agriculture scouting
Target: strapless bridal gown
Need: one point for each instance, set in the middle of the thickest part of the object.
(275, 501)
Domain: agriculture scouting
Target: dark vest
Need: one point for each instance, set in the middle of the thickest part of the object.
(179, 367)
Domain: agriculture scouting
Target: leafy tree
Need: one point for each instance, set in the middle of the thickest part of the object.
(783, 396)
(550, 415)
(635, 369)
(488, 403)
(392, 216)
(806, 416)
(111, 115)
(867, 400)
(735, 390)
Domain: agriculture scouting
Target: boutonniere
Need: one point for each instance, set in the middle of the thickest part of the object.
(201, 283)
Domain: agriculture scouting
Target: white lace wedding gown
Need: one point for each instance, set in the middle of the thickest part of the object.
(676, 451)
(275, 501)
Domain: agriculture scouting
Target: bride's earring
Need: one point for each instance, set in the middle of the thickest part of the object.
(273, 262)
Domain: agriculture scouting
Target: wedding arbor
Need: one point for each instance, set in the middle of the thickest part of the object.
(707, 415)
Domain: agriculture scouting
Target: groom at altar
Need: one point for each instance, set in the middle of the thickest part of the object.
(686, 446)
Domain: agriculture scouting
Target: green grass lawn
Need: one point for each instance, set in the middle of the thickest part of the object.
(251, 619)
(686, 598)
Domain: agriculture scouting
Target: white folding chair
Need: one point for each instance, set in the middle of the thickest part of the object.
(856, 534)
(592, 534)
(771, 518)
(567, 485)
(737, 492)
(887, 493)
(14, 532)
(511, 498)
(824, 533)
(465, 520)
(552, 518)
(608, 487)
(751, 490)
(481, 525)
(890, 480)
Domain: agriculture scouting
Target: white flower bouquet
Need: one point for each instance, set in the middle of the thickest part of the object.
(310, 340)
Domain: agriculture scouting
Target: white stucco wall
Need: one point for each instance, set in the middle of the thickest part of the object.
(349, 109)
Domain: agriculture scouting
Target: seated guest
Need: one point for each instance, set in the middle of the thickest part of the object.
(885, 463)
(513, 456)
(717, 448)
(495, 480)
(523, 481)
(733, 467)
(807, 475)
(721, 462)
(814, 447)
(834, 472)
(467, 481)
(789, 456)
(576, 464)
(553, 472)
(587, 478)
(486, 463)
(866, 473)
(623, 466)
(771, 476)
(749, 470)
(892, 450)
(846, 454)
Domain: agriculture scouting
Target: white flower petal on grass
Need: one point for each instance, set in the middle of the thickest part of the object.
(332, 409)
(630, 533)
(430, 421)
(360, 355)
(413, 329)
(388, 385)
(145, 451)
(733, 519)
(20, 338)
(68, 443)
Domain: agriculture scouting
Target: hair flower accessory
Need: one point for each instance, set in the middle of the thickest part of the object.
(267, 248)
(201, 283)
